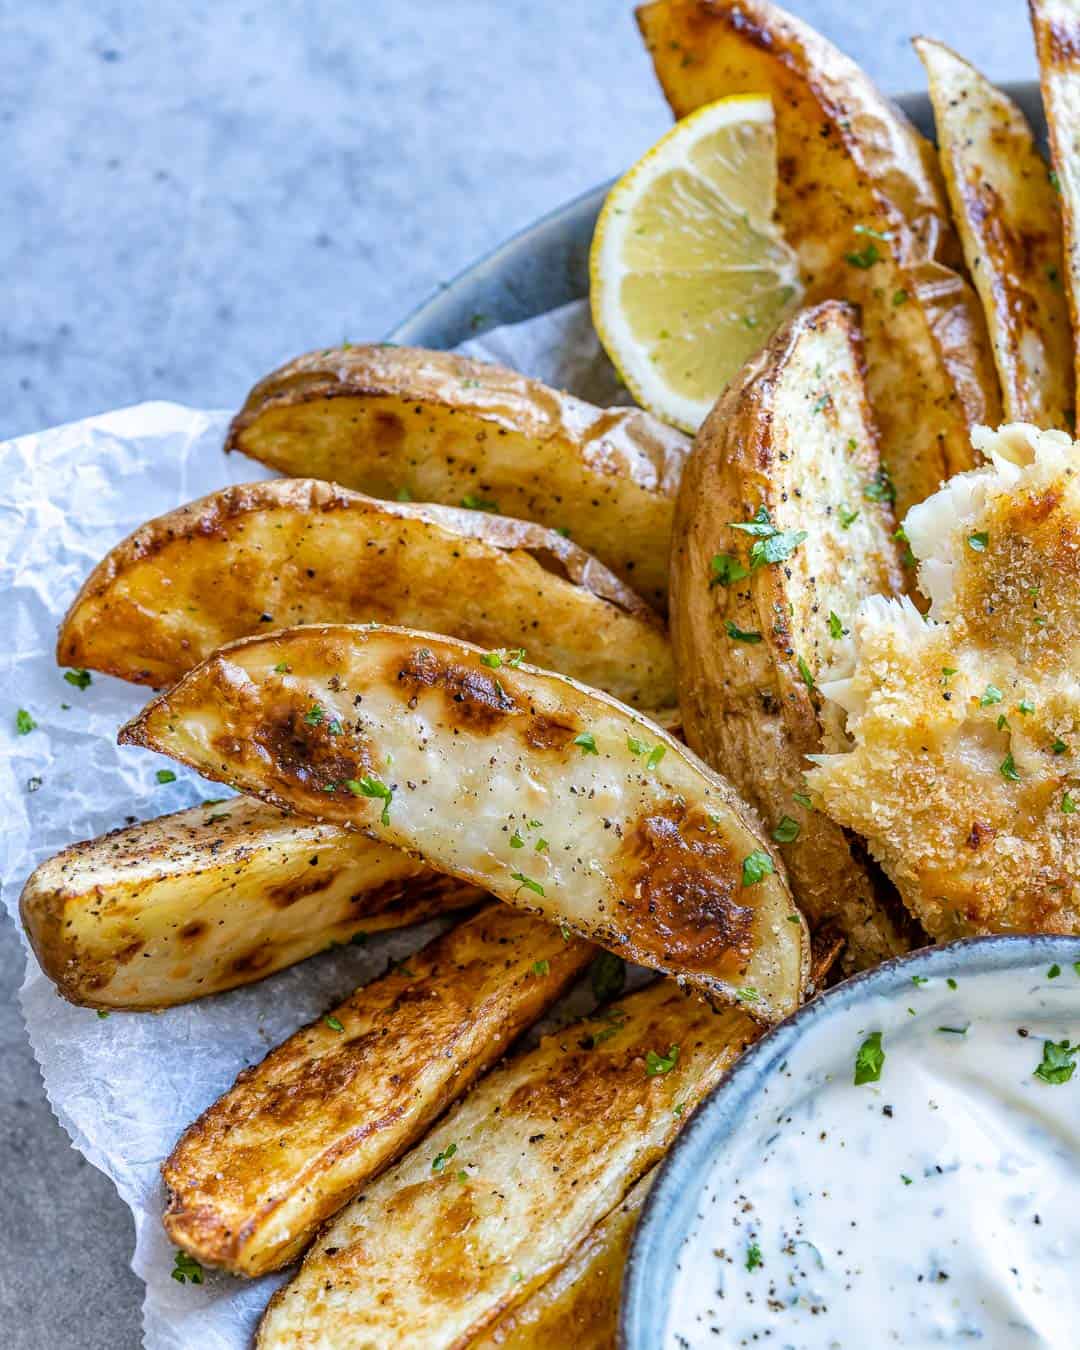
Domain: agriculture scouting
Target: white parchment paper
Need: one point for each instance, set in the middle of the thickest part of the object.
(125, 1086)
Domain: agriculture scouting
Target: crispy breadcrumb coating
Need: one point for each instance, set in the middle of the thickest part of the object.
(964, 767)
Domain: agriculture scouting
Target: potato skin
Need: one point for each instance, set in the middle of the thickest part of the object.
(544, 1148)
(274, 554)
(862, 202)
(791, 435)
(552, 796)
(218, 896)
(1009, 220)
(444, 428)
(299, 1134)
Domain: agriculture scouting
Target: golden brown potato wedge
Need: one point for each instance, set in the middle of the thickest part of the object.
(499, 1195)
(963, 771)
(1057, 41)
(443, 428)
(301, 1133)
(1009, 220)
(578, 1306)
(204, 900)
(552, 796)
(783, 526)
(862, 203)
(291, 551)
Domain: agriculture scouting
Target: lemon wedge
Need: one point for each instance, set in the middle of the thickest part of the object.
(689, 272)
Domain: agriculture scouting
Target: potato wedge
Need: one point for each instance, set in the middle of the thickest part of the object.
(578, 1306)
(204, 900)
(300, 1134)
(444, 428)
(302, 551)
(1009, 220)
(862, 203)
(963, 772)
(501, 1193)
(785, 463)
(552, 796)
(1057, 40)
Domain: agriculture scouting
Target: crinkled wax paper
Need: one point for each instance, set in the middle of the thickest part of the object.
(125, 1086)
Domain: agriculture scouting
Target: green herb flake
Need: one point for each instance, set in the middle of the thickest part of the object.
(540, 846)
(865, 258)
(333, 1023)
(1025, 707)
(756, 867)
(1009, 770)
(760, 525)
(79, 678)
(314, 715)
(472, 502)
(527, 882)
(516, 840)
(803, 800)
(847, 518)
(776, 548)
(991, 695)
(954, 1031)
(725, 569)
(24, 723)
(869, 1060)
(880, 488)
(542, 967)
(920, 980)
(1068, 804)
(905, 1178)
(787, 831)
(822, 403)
(900, 297)
(1053, 972)
(282, 668)
(952, 983)
(372, 787)
(655, 1064)
(753, 1256)
(103, 1013)
(186, 1270)
(1058, 1062)
(978, 541)
(587, 741)
(656, 754)
(1059, 747)
(747, 995)
(806, 673)
(607, 975)
(443, 1157)
(836, 625)
(738, 634)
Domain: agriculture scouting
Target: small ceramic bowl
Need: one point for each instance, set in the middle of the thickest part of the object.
(818, 1038)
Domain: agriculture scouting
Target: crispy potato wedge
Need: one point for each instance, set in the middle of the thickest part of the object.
(578, 1306)
(552, 796)
(964, 767)
(204, 900)
(862, 203)
(296, 551)
(1009, 220)
(443, 428)
(501, 1193)
(784, 463)
(1057, 40)
(299, 1134)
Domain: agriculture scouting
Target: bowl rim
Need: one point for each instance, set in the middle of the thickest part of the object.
(654, 1248)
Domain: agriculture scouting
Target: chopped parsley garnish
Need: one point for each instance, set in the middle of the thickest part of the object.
(806, 673)
(978, 541)
(165, 776)
(951, 983)
(540, 846)
(880, 488)
(79, 678)
(760, 525)
(542, 967)
(900, 297)
(512, 658)
(587, 741)
(1068, 804)
(747, 995)
(443, 1157)
(905, 1179)
(607, 975)
(756, 867)
(991, 695)
(1009, 770)
(753, 1256)
(372, 787)
(186, 1269)
(869, 1060)
(654, 754)
(778, 547)
(803, 800)
(920, 979)
(1059, 747)
(726, 569)
(822, 403)
(954, 1031)
(1058, 1062)
(472, 502)
(24, 723)
(527, 882)
(282, 668)
(865, 258)
(1025, 706)
(333, 1023)
(738, 634)
(836, 625)
(847, 518)
(516, 840)
(658, 1064)
(787, 831)
(1053, 972)
(314, 715)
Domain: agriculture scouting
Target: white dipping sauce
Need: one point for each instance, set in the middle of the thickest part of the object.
(937, 1206)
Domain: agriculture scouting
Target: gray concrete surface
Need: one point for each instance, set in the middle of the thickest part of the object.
(195, 191)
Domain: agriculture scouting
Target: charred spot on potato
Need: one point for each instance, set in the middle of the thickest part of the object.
(252, 962)
(685, 875)
(546, 732)
(192, 930)
(309, 753)
(388, 432)
(289, 892)
(475, 700)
